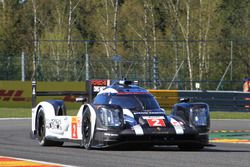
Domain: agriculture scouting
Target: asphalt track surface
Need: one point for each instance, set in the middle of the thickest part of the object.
(15, 141)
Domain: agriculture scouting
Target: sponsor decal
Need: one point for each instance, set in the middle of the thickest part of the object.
(99, 85)
(148, 113)
(13, 95)
(99, 82)
(177, 126)
(17, 96)
(155, 121)
(98, 88)
(54, 124)
(74, 128)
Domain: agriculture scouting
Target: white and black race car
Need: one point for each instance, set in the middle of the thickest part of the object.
(122, 113)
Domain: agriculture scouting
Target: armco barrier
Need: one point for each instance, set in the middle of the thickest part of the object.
(166, 98)
(18, 94)
(234, 101)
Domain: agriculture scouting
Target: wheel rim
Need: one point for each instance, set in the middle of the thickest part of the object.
(86, 128)
(41, 129)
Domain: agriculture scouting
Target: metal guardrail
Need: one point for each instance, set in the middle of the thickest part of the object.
(232, 101)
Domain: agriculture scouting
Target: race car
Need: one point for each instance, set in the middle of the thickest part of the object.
(122, 114)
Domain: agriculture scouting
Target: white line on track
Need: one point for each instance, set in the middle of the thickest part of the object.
(14, 119)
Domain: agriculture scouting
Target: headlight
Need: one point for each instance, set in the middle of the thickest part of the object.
(199, 115)
(110, 116)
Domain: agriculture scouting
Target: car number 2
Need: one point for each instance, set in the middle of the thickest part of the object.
(156, 122)
(74, 128)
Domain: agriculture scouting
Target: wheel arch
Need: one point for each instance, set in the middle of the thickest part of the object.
(49, 112)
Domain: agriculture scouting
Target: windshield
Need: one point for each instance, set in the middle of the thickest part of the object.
(138, 101)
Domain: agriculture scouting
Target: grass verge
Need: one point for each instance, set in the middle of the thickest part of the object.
(230, 115)
(26, 112)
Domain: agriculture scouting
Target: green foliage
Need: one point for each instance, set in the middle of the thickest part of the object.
(195, 32)
(234, 16)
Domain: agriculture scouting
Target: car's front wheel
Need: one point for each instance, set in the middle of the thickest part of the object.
(86, 129)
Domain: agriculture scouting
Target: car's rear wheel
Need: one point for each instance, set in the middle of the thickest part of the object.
(86, 129)
(41, 129)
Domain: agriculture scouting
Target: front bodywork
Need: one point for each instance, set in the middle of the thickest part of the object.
(155, 128)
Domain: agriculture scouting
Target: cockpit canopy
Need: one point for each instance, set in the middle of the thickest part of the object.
(138, 101)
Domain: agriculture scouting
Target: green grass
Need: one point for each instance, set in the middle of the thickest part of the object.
(230, 115)
(26, 112)
(15, 112)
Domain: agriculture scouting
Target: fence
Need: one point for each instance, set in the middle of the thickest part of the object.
(215, 65)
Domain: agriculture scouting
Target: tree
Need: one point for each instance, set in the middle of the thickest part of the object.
(105, 24)
(185, 29)
(235, 18)
(14, 37)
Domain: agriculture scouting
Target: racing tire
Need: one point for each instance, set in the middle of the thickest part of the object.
(86, 129)
(190, 147)
(41, 131)
(32, 136)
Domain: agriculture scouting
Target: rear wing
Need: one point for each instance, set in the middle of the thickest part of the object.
(92, 87)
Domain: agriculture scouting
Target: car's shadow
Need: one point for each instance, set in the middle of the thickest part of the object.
(211, 148)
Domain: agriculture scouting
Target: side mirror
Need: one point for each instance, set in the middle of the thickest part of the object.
(81, 99)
